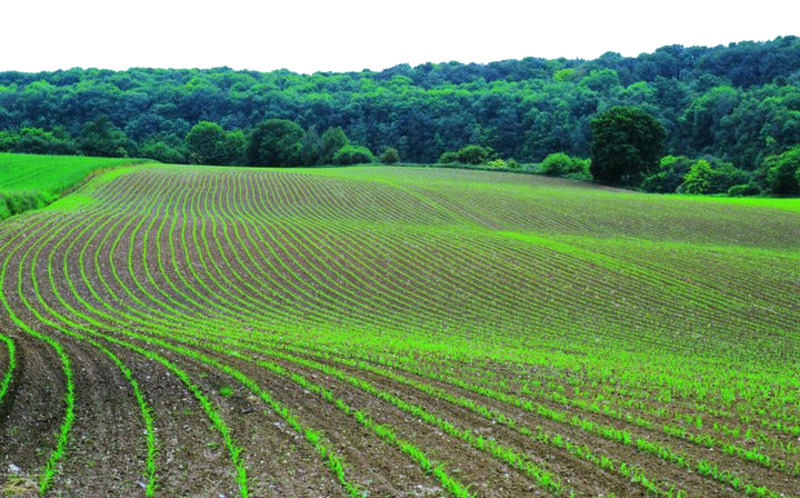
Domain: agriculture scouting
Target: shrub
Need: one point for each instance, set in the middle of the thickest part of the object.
(469, 154)
(474, 154)
(353, 154)
(670, 175)
(5, 212)
(38, 141)
(390, 156)
(448, 157)
(712, 177)
(162, 152)
(783, 172)
(497, 163)
(17, 202)
(560, 164)
(745, 190)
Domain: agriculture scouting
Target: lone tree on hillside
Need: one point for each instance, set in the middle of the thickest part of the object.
(626, 146)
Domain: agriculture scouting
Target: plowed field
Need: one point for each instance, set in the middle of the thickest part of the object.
(380, 331)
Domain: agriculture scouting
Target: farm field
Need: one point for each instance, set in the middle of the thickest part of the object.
(30, 181)
(381, 331)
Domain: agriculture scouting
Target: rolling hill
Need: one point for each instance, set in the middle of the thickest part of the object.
(397, 331)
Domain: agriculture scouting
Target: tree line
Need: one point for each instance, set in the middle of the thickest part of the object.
(737, 104)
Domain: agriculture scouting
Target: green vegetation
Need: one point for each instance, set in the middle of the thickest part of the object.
(626, 146)
(330, 143)
(783, 172)
(469, 154)
(32, 181)
(208, 143)
(715, 177)
(560, 164)
(275, 142)
(11, 365)
(390, 155)
(324, 321)
(733, 104)
(353, 154)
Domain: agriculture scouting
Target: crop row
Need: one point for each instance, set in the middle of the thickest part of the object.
(264, 277)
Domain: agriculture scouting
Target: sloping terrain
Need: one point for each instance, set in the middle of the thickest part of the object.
(31, 181)
(386, 331)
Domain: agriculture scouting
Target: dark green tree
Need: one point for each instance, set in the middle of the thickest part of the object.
(475, 154)
(101, 138)
(38, 141)
(783, 172)
(390, 156)
(670, 175)
(275, 142)
(163, 152)
(626, 146)
(311, 150)
(448, 157)
(209, 143)
(333, 139)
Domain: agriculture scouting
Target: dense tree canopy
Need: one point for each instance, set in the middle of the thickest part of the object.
(739, 103)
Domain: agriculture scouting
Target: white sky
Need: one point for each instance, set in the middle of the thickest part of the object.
(350, 35)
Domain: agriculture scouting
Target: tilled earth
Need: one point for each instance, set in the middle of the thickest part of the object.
(234, 332)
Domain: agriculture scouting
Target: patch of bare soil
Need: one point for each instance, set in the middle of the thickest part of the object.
(31, 413)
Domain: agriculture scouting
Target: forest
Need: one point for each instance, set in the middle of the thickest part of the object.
(732, 110)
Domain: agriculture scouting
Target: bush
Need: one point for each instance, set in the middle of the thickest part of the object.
(560, 164)
(17, 202)
(353, 154)
(101, 138)
(39, 141)
(513, 165)
(783, 172)
(670, 175)
(448, 157)
(712, 177)
(469, 154)
(162, 152)
(746, 190)
(497, 163)
(390, 156)
(474, 154)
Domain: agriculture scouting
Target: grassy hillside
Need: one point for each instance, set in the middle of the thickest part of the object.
(398, 331)
(29, 181)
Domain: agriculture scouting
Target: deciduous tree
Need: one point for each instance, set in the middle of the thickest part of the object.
(626, 146)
